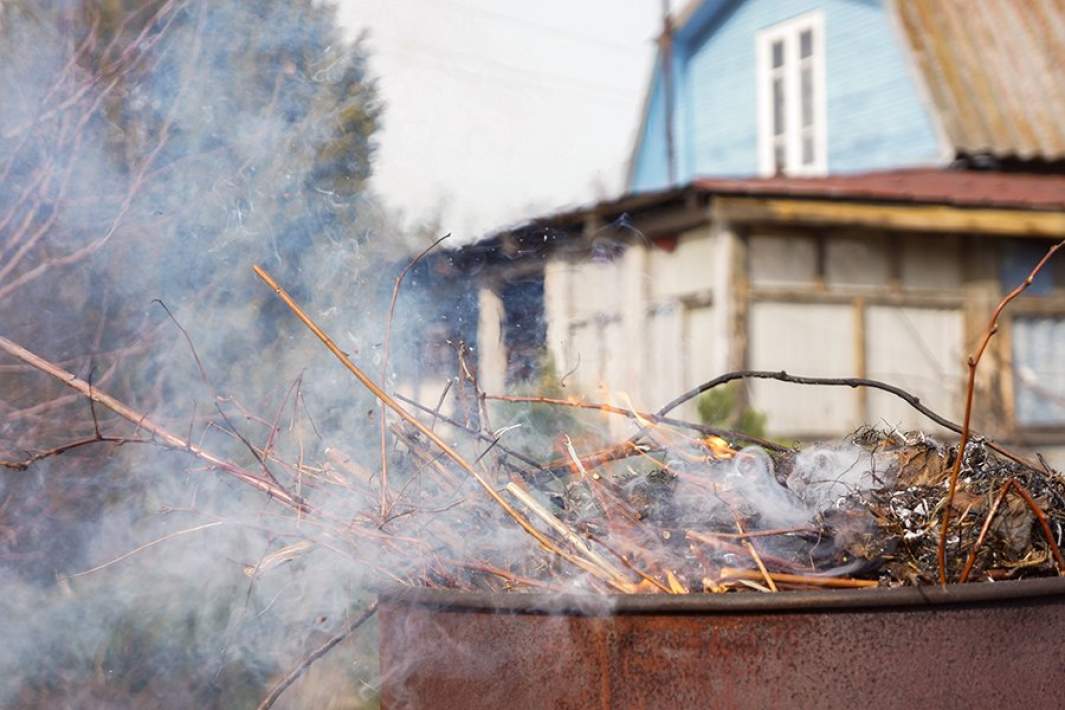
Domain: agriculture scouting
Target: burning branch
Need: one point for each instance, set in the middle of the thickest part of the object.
(642, 417)
(558, 526)
(802, 580)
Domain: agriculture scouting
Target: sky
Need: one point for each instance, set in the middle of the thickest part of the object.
(499, 110)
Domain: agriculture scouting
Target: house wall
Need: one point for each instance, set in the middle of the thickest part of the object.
(639, 324)
(876, 118)
(650, 165)
(652, 322)
(644, 324)
(847, 304)
(491, 355)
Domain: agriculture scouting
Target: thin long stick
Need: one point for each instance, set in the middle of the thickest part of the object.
(142, 422)
(755, 556)
(432, 436)
(558, 526)
(384, 366)
(293, 675)
(719, 544)
(853, 382)
(629, 565)
(646, 416)
(983, 531)
(754, 575)
(70, 446)
(513, 579)
(469, 430)
(146, 545)
(1048, 535)
(973, 362)
(775, 532)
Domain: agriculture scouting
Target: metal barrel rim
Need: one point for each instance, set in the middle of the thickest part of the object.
(818, 601)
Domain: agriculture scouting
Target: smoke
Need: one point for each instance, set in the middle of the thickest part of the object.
(815, 481)
(149, 156)
(156, 150)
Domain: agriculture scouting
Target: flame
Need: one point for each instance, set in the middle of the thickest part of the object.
(674, 584)
(715, 445)
(645, 586)
(718, 447)
(635, 412)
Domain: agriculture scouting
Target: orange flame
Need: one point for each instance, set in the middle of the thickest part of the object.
(718, 447)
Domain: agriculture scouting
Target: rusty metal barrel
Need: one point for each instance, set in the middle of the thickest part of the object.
(988, 644)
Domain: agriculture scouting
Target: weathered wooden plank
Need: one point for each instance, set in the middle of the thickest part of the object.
(927, 218)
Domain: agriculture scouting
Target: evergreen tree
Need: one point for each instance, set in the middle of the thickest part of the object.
(156, 149)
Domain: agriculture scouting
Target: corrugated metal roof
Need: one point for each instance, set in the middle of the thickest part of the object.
(993, 69)
(961, 188)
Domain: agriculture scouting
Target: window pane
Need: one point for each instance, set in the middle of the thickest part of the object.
(780, 161)
(1018, 258)
(1039, 375)
(778, 55)
(806, 44)
(806, 88)
(778, 107)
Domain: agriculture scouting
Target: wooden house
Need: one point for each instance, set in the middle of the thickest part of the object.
(857, 185)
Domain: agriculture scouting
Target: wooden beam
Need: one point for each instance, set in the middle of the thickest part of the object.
(740, 290)
(670, 221)
(873, 297)
(925, 218)
(861, 357)
(982, 290)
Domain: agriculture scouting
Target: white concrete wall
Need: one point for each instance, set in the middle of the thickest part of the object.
(491, 355)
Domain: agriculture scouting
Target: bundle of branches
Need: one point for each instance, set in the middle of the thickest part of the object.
(676, 508)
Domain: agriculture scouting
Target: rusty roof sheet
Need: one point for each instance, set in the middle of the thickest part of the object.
(993, 69)
(959, 188)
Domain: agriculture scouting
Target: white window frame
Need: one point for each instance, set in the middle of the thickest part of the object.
(788, 32)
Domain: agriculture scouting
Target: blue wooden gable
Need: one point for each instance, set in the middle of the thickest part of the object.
(875, 116)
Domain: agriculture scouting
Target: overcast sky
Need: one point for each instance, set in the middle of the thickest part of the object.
(501, 109)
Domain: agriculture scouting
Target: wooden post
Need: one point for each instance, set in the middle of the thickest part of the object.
(860, 369)
(740, 292)
(980, 283)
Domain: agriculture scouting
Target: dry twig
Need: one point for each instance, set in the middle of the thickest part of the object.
(293, 675)
(973, 362)
(451, 453)
(384, 366)
(642, 417)
(163, 436)
(803, 580)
